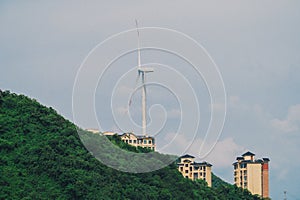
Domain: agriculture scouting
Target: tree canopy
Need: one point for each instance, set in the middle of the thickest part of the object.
(42, 157)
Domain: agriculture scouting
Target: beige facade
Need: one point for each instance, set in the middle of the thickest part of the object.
(254, 178)
(193, 170)
(252, 174)
(138, 141)
(110, 133)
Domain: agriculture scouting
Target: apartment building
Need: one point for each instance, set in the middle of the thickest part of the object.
(252, 174)
(138, 140)
(194, 170)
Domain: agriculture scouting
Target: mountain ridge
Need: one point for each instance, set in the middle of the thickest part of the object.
(42, 157)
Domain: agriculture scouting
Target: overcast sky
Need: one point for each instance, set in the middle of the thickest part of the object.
(255, 45)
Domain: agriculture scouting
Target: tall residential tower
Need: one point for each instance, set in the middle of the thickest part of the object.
(252, 174)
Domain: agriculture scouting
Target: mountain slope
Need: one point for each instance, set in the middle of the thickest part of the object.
(42, 157)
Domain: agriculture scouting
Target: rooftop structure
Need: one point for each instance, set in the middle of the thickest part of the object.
(93, 130)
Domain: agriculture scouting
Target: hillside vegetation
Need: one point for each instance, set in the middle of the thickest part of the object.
(42, 157)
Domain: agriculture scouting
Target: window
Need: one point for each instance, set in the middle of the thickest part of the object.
(204, 168)
(235, 166)
(200, 173)
(191, 168)
(130, 141)
(245, 184)
(196, 175)
(134, 141)
(245, 178)
(126, 141)
(186, 165)
(181, 168)
(235, 173)
(204, 174)
(145, 141)
(149, 141)
(186, 171)
(245, 172)
(243, 165)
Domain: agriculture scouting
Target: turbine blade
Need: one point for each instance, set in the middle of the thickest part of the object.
(137, 27)
(138, 49)
(136, 82)
(137, 79)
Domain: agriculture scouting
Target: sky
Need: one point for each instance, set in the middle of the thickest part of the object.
(254, 44)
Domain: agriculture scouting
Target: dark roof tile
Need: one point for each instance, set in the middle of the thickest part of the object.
(248, 153)
(187, 156)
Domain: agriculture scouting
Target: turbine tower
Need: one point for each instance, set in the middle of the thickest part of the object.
(142, 72)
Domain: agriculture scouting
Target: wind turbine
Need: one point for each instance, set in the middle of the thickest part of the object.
(142, 73)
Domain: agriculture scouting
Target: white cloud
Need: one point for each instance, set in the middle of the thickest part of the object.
(224, 153)
(233, 100)
(284, 125)
(122, 110)
(125, 90)
(174, 113)
(236, 103)
(218, 107)
(291, 123)
(294, 113)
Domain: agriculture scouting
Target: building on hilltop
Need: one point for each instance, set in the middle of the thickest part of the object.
(135, 140)
(252, 174)
(111, 133)
(93, 130)
(193, 170)
(138, 140)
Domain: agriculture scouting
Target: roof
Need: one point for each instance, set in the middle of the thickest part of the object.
(203, 163)
(187, 156)
(239, 158)
(137, 136)
(266, 159)
(249, 162)
(248, 153)
(144, 137)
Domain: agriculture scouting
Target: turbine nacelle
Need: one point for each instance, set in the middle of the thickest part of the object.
(145, 70)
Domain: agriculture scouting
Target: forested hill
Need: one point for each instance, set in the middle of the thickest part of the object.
(42, 157)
